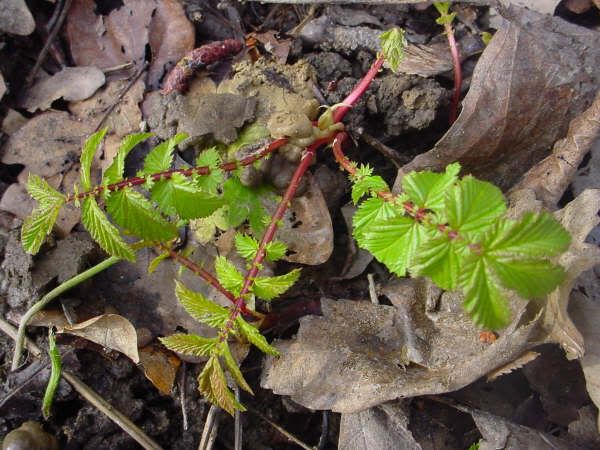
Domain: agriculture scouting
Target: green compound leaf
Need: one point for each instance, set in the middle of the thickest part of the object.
(393, 44)
(275, 250)
(369, 212)
(246, 246)
(104, 232)
(160, 157)
(530, 278)
(244, 205)
(252, 335)
(210, 182)
(394, 242)
(473, 206)
(269, 288)
(213, 385)
(533, 235)
(428, 189)
(228, 275)
(37, 226)
(87, 157)
(179, 196)
(114, 173)
(439, 259)
(234, 369)
(201, 308)
(132, 211)
(190, 344)
(366, 185)
(484, 300)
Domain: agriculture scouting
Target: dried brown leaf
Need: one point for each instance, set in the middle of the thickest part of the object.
(71, 84)
(160, 367)
(530, 81)
(15, 18)
(110, 331)
(279, 48)
(513, 365)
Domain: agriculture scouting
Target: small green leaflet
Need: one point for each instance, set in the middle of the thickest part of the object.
(445, 16)
(87, 157)
(234, 369)
(472, 206)
(269, 288)
(369, 212)
(210, 183)
(531, 278)
(160, 157)
(251, 333)
(439, 259)
(213, 385)
(114, 173)
(275, 250)
(245, 204)
(246, 246)
(156, 261)
(55, 372)
(369, 184)
(394, 242)
(104, 232)
(132, 211)
(189, 344)
(179, 196)
(42, 219)
(428, 189)
(200, 308)
(228, 275)
(484, 300)
(393, 44)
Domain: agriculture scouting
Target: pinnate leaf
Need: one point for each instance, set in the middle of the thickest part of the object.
(135, 213)
(87, 157)
(228, 275)
(269, 288)
(179, 196)
(160, 157)
(104, 232)
(189, 344)
(252, 335)
(114, 173)
(201, 308)
(474, 205)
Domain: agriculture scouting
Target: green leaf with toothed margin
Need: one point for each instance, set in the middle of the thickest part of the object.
(269, 288)
(252, 335)
(114, 173)
(393, 44)
(189, 344)
(87, 157)
(160, 157)
(201, 308)
(228, 275)
(234, 369)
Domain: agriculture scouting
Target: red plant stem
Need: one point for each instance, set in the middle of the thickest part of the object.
(457, 73)
(307, 158)
(202, 273)
(202, 170)
(358, 90)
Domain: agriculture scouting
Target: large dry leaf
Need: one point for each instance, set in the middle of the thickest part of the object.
(71, 84)
(537, 74)
(111, 331)
(109, 41)
(380, 428)
(160, 367)
(15, 18)
(171, 37)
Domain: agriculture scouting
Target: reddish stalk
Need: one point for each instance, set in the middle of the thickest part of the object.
(202, 170)
(457, 73)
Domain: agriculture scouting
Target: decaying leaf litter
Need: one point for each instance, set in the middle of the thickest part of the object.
(533, 84)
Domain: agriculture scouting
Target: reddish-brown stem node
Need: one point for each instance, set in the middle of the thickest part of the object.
(202, 170)
(457, 73)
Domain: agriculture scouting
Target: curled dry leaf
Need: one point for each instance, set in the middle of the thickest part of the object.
(160, 366)
(15, 18)
(110, 331)
(71, 84)
(530, 81)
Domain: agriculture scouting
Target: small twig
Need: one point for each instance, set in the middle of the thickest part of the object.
(282, 430)
(14, 391)
(298, 28)
(386, 151)
(90, 395)
(372, 290)
(182, 395)
(118, 68)
(211, 428)
(55, 29)
(112, 107)
(39, 305)
(237, 429)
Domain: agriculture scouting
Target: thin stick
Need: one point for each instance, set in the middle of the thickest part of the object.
(237, 428)
(372, 290)
(55, 29)
(90, 395)
(386, 151)
(39, 305)
(109, 111)
(282, 430)
(457, 73)
(182, 395)
(211, 427)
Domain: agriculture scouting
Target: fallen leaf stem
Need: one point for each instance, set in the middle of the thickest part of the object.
(453, 114)
(167, 174)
